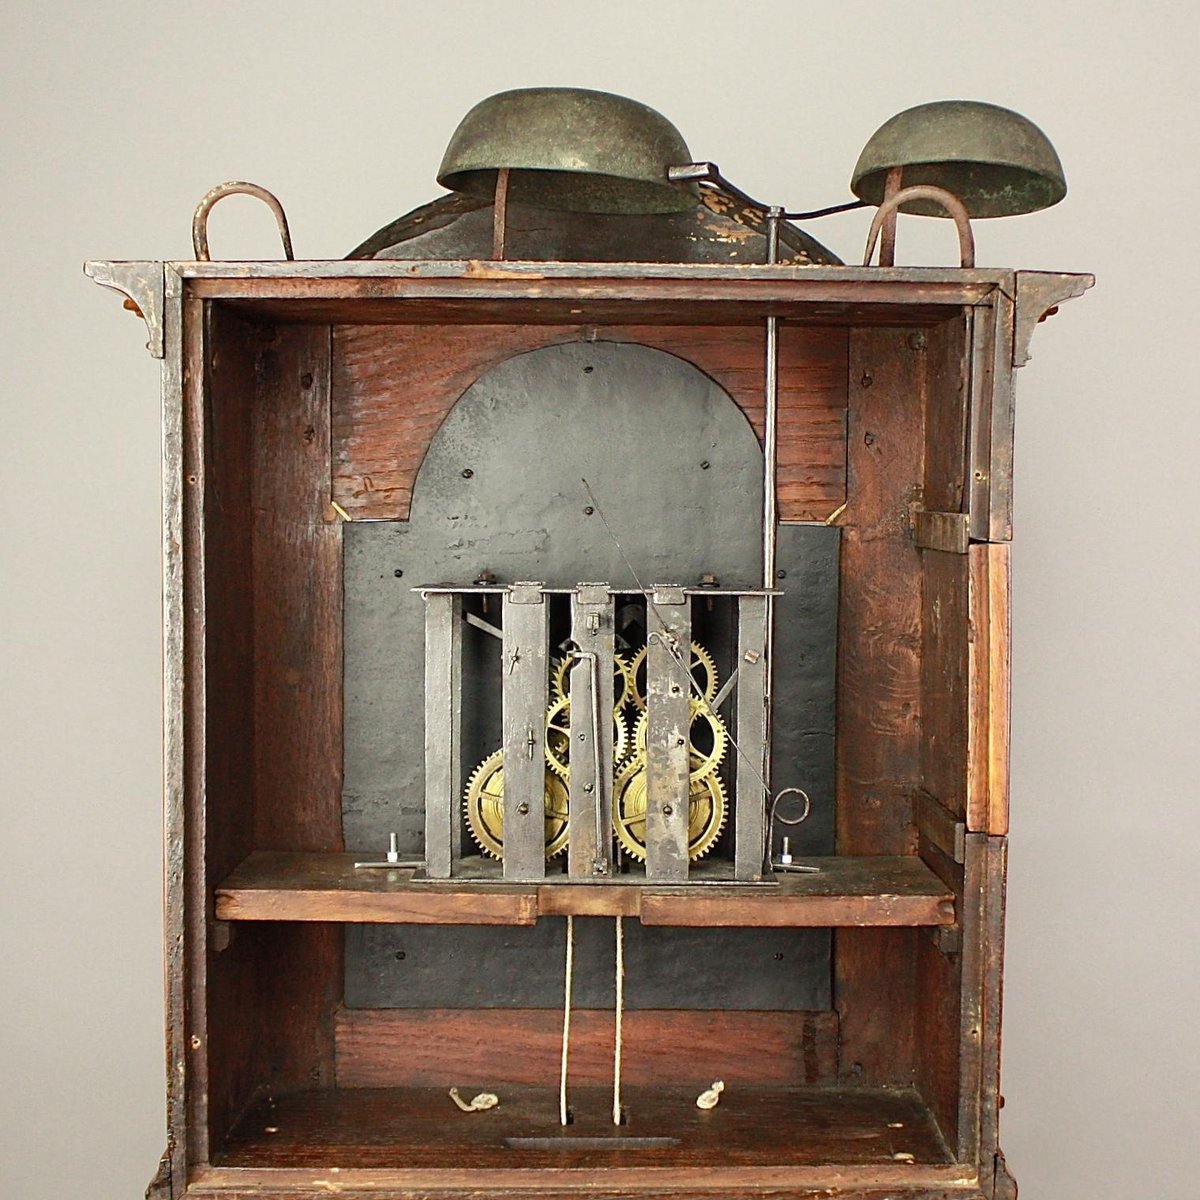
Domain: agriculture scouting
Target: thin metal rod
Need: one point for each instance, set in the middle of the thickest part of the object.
(770, 451)
(566, 1038)
(619, 1023)
(709, 173)
(770, 500)
(500, 215)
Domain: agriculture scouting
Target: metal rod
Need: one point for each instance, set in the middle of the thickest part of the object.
(770, 497)
(500, 215)
(710, 173)
(887, 244)
(486, 626)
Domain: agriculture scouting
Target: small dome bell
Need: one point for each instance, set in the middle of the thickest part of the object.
(997, 162)
(569, 148)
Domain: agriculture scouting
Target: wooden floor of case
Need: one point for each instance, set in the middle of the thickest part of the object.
(421, 1129)
(842, 891)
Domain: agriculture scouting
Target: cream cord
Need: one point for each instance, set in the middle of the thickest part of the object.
(566, 1039)
(616, 1112)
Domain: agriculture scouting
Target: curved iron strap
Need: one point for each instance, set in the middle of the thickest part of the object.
(948, 200)
(200, 217)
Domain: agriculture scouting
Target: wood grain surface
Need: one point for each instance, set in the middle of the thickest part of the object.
(481, 1048)
(871, 890)
(393, 386)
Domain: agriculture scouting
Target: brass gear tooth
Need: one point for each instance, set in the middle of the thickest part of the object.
(621, 737)
(710, 670)
(700, 845)
(557, 843)
(623, 788)
(622, 680)
(484, 838)
(556, 759)
(698, 654)
(489, 838)
(701, 765)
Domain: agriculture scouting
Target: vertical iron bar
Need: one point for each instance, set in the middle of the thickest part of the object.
(751, 801)
(443, 733)
(500, 215)
(523, 688)
(770, 501)
(592, 631)
(668, 721)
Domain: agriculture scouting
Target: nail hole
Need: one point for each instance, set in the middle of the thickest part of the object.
(401, 955)
(588, 370)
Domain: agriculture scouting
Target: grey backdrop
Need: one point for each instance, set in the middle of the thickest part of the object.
(118, 117)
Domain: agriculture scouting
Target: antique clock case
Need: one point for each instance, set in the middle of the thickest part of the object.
(318, 1013)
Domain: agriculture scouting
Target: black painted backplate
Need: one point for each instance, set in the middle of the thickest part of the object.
(675, 477)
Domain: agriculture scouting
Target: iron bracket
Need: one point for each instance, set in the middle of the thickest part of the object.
(525, 593)
(141, 283)
(1039, 293)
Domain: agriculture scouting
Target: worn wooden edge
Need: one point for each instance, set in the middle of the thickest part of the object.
(860, 891)
(604, 1181)
(413, 907)
(942, 531)
(940, 826)
(193, 962)
(175, 743)
(988, 693)
(809, 911)
(988, 278)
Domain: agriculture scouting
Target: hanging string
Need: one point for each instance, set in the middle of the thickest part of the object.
(566, 1038)
(616, 1111)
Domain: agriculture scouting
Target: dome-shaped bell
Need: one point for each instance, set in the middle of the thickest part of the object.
(569, 148)
(997, 162)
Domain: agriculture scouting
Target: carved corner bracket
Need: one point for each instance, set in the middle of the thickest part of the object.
(1039, 293)
(141, 283)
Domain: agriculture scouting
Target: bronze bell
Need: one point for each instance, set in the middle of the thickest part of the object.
(997, 162)
(569, 148)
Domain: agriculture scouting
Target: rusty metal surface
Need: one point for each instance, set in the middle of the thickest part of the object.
(720, 229)
(237, 188)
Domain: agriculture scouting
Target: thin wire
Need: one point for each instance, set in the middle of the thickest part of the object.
(672, 650)
(620, 1015)
(566, 1038)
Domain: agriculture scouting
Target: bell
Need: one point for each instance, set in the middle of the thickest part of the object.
(569, 148)
(997, 162)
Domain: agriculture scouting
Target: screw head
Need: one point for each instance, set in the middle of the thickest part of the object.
(467, 473)
(523, 808)
(667, 810)
(398, 573)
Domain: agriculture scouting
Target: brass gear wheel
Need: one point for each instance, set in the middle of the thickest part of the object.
(707, 810)
(706, 757)
(704, 672)
(622, 680)
(558, 737)
(484, 807)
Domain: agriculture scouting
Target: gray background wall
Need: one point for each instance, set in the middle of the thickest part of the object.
(118, 117)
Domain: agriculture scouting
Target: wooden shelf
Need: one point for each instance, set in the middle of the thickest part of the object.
(415, 1139)
(861, 891)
